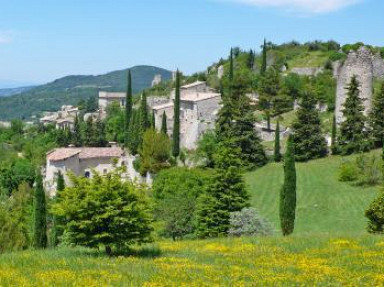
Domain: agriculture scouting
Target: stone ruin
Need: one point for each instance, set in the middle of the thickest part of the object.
(360, 64)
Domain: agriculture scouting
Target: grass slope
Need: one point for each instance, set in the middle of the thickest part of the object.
(324, 205)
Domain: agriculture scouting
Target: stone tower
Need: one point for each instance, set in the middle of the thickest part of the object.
(360, 64)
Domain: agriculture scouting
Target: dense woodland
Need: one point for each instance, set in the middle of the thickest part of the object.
(209, 199)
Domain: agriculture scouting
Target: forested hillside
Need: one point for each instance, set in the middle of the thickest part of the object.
(71, 89)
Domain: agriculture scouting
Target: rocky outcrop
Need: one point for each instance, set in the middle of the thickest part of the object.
(360, 64)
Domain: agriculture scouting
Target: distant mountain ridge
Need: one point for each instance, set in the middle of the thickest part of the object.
(70, 90)
(13, 91)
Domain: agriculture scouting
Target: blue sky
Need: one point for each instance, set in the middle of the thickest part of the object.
(44, 40)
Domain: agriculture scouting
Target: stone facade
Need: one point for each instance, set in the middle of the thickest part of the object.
(106, 98)
(84, 162)
(199, 106)
(378, 66)
(359, 64)
(307, 71)
(64, 118)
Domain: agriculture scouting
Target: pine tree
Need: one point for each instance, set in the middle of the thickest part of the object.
(353, 135)
(334, 147)
(245, 136)
(308, 138)
(288, 190)
(128, 108)
(264, 59)
(226, 194)
(76, 136)
(164, 128)
(277, 154)
(135, 128)
(377, 117)
(40, 215)
(176, 124)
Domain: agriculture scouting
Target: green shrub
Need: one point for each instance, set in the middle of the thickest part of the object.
(336, 56)
(248, 222)
(375, 215)
(348, 172)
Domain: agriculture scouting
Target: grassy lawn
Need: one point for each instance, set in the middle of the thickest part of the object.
(297, 260)
(309, 59)
(325, 205)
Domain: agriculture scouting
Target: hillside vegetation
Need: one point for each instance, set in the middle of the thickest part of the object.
(71, 89)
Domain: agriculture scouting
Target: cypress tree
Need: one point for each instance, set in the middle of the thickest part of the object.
(377, 117)
(40, 215)
(353, 134)
(277, 154)
(334, 136)
(89, 132)
(164, 128)
(288, 191)
(101, 138)
(176, 124)
(76, 137)
(264, 59)
(128, 107)
(308, 138)
(153, 121)
(57, 222)
(144, 118)
(251, 59)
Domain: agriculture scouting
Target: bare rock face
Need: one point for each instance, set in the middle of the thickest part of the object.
(220, 72)
(156, 80)
(359, 64)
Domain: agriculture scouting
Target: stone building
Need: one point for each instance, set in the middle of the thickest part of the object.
(106, 98)
(64, 118)
(85, 161)
(199, 106)
(360, 64)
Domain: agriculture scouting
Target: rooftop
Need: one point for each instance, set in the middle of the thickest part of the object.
(84, 153)
(197, 83)
(196, 97)
(110, 95)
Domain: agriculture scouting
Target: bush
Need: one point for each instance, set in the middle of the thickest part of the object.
(336, 56)
(348, 172)
(375, 215)
(248, 222)
(365, 170)
(382, 52)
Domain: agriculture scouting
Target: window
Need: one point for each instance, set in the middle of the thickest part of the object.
(87, 174)
(105, 171)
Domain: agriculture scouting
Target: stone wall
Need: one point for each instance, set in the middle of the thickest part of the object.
(359, 64)
(378, 66)
(307, 71)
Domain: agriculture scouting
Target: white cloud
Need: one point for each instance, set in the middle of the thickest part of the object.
(5, 37)
(303, 6)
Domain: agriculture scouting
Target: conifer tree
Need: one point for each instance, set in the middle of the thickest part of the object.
(153, 121)
(288, 191)
(353, 134)
(226, 194)
(40, 215)
(377, 117)
(144, 118)
(76, 136)
(128, 107)
(135, 128)
(164, 128)
(264, 59)
(277, 154)
(57, 222)
(308, 138)
(251, 60)
(89, 132)
(176, 124)
(101, 139)
(334, 148)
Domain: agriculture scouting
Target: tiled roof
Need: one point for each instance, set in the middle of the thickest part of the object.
(84, 153)
(163, 106)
